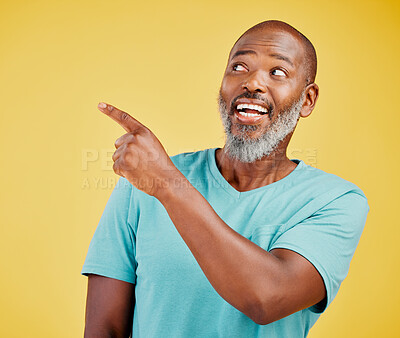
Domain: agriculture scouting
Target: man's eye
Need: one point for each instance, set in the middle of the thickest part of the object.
(239, 68)
(278, 72)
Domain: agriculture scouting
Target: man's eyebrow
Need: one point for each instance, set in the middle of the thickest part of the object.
(282, 57)
(243, 52)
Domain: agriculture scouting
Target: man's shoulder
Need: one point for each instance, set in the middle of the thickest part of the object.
(327, 182)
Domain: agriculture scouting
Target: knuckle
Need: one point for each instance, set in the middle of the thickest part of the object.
(144, 130)
(128, 157)
(131, 147)
(115, 155)
(131, 138)
(116, 167)
(140, 136)
(124, 116)
(117, 143)
(142, 133)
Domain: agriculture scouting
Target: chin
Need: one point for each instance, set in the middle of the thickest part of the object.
(246, 132)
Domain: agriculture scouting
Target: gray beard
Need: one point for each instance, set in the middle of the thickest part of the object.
(246, 149)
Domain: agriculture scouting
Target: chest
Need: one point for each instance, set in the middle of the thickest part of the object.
(162, 255)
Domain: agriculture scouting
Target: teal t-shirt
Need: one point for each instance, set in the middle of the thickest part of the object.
(318, 215)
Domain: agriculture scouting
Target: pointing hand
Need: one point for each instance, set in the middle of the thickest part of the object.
(140, 157)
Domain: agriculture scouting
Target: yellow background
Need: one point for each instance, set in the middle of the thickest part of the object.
(163, 62)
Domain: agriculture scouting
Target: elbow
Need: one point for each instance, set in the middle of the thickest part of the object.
(261, 318)
(104, 332)
(265, 311)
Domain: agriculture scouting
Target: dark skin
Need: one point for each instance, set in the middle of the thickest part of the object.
(278, 81)
(265, 286)
(109, 307)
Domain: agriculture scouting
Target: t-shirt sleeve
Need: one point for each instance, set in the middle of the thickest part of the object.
(328, 240)
(112, 249)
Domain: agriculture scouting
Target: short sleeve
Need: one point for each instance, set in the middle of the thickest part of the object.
(112, 249)
(328, 239)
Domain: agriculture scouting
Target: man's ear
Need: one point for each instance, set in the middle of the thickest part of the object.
(311, 97)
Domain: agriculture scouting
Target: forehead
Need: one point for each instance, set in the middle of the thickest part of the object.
(271, 42)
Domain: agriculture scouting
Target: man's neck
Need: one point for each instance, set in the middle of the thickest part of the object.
(248, 176)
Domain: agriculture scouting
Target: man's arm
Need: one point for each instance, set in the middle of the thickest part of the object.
(265, 286)
(109, 308)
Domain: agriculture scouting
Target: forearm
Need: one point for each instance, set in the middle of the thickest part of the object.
(239, 270)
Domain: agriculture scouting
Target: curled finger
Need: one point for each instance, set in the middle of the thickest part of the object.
(118, 152)
(123, 139)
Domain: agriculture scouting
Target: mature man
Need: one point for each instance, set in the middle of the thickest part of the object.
(232, 242)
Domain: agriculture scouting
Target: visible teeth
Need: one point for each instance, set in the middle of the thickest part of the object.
(252, 107)
(248, 114)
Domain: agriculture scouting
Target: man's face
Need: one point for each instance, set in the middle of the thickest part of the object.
(262, 92)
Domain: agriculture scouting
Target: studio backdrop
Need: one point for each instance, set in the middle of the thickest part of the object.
(162, 62)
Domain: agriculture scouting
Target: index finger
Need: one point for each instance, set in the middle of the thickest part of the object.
(122, 118)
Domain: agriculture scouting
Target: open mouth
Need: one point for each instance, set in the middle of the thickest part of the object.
(250, 114)
(250, 110)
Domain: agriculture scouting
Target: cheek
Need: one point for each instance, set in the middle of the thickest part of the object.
(290, 92)
(226, 88)
(229, 91)
(281, 95)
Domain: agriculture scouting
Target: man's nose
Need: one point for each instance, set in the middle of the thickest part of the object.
(255, 82)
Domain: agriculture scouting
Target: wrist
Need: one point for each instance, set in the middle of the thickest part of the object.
(170, 185)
